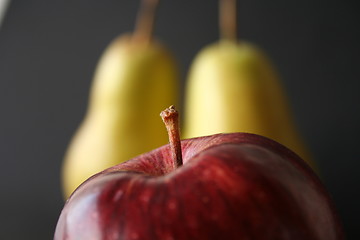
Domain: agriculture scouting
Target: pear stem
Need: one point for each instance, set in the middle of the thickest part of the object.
(227, 20)
(170, 117)
(145, 21)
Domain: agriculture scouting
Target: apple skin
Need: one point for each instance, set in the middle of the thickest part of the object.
(231, 186)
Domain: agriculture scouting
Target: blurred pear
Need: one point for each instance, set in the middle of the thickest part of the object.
(233, 87)
(135, 79)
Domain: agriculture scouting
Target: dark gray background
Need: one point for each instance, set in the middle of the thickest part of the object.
(48, 51)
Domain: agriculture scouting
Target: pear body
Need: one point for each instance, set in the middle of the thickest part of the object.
(133, 82)
(232, 87)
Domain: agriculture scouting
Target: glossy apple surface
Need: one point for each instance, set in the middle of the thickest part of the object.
(230, 186)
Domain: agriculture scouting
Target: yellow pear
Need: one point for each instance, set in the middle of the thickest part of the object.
(133, 80)
(232, 87)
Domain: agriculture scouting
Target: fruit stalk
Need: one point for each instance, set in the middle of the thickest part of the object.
(145, 21)
(228, 26)
(170, 117)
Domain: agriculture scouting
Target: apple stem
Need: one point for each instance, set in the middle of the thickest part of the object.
(145, 21)
(170, 117)
(227, 20)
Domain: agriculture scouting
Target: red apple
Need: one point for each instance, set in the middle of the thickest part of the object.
(230, 186)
